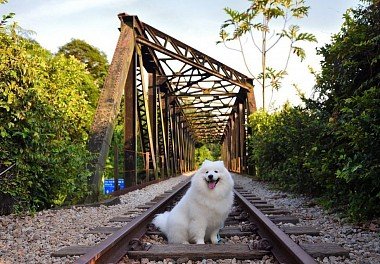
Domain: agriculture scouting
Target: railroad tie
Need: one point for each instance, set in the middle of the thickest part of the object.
(322, 250)
(71, 251)
(284, 219)
(224, 232)
(103, 230)
(121, 219)
(275, 211)
(301, 230)
(198, 252)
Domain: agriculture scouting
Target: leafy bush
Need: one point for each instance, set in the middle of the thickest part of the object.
(330, 148)
(45, 119)
(278, 145)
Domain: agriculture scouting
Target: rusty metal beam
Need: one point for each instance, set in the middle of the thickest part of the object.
(191, 56)
(242, 139)
(109, 105)
(216, 96)
(163, 135)
(199, 103)
(130, 126)
(196, 68)
(153, 97)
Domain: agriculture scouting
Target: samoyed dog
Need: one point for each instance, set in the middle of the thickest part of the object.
(201, 212)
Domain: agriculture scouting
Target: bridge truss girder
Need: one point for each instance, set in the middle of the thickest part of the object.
(175, 97)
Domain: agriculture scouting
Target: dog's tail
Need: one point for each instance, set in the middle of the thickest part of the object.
(160, 221)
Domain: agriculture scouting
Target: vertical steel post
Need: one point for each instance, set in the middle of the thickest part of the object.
(176, 140)
(187, 155)
(164, 159)
(237, 140)
(116, 167)
(228, 135)
(186, 151)
(130, 126)
(152, 87)
(233, 143)
(169, 135)
(174, 144)
(147, 112)
(242, 139)
(251, 108)
(222, 151)
(147, 171)
(180, 144)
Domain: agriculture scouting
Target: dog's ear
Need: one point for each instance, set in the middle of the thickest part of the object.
(220, 162)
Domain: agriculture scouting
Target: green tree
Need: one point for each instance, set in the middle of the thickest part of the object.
(330, 147)
(215, 150)
(207, 151)
(349, 99)
(94, 59)
(202, 153)
(45, 118)
(257, 23)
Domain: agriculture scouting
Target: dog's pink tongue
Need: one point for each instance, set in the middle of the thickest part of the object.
(211, 185)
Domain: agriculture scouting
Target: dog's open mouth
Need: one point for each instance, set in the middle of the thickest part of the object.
(211, 183)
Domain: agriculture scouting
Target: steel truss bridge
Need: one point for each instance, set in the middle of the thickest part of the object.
(174, 98)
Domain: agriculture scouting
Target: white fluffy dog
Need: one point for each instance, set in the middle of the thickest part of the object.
(201, 212)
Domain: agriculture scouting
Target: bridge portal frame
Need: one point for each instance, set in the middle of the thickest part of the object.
(174, 98)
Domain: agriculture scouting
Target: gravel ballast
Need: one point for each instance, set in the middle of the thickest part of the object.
(32, 239)
(363, 244)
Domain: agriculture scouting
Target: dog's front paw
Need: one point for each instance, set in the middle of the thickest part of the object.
(216, 239)
(200, 241)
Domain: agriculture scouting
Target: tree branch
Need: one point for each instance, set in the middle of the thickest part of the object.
(254, 42)
(224, 43)
(286, 20)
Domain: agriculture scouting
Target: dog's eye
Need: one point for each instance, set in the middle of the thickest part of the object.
(206, 171)
(216, 171)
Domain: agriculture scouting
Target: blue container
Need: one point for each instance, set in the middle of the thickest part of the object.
(109, 185)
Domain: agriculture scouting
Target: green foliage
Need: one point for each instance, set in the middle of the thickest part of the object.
(45, 118)
(94, 59)
(202, 154)
(330, 148)
(207, 151)
(350, 96)
(277, 146)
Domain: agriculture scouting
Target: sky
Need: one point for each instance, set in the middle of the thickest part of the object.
(194, 22)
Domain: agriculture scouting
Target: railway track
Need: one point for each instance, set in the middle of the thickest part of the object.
(251, 232)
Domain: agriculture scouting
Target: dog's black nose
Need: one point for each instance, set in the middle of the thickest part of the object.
(210, 176)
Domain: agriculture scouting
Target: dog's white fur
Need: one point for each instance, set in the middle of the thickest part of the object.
(201, 212)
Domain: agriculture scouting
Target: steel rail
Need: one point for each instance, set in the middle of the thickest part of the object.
(284, 249)
(116, 246)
